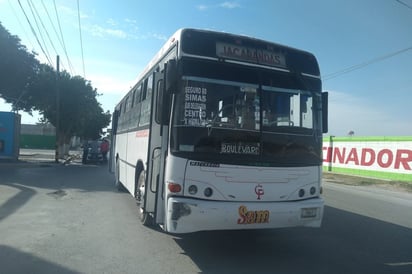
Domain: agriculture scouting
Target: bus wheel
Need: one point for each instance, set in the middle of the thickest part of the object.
(144, 217)
(117, 182)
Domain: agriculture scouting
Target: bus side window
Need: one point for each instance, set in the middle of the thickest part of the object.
(127, 112)
(137, 95)
(158, 102)
(146, 102)
(149, 90)
(127, 104)
(120, 108)
(144, 90)
(136, 109)
(115, 122)
(133, 97)
(121, 118)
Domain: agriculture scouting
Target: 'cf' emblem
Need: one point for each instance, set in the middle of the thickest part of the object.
(259, 191)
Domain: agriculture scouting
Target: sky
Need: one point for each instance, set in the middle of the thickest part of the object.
(364, 47)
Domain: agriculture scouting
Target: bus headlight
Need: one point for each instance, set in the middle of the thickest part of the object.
(208, 192)
(312, 190)
(192, 189)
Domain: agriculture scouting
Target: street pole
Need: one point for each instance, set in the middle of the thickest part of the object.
(56, 158)
(330, 152)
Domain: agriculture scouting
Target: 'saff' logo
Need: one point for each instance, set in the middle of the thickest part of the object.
(259, 191)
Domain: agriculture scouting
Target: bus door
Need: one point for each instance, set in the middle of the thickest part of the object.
(156, 154)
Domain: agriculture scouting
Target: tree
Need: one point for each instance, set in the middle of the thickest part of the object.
(29, 85)
(17, 69)
(80, 112)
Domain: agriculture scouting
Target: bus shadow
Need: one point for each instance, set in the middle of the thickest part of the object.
(18, 185)
(12, 204)
(346, 243)
(56, 176)
(15, 261)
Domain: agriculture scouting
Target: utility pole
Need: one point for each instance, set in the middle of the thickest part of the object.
(56, 158)
(330, 152)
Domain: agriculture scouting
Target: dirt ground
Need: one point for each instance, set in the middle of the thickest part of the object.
(365, 181)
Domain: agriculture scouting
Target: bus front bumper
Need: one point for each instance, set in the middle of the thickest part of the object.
(186, 215)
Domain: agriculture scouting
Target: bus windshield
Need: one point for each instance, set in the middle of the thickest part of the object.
(215, 103)
(220, 118)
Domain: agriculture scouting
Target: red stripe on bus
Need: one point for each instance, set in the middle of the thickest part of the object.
(142, 133)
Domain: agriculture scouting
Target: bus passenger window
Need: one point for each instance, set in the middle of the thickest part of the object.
(133, 97)
(138, 93)
(149, 89)
(144, 85)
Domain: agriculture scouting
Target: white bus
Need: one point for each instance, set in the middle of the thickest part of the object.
(223, 131)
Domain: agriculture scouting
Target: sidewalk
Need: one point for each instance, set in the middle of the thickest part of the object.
(36, 154)
(40, 156)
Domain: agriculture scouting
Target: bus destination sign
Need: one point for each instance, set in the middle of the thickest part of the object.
(252, 55)
(240, 148)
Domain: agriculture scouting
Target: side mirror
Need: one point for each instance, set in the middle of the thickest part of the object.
(171, 75)
(325, 96)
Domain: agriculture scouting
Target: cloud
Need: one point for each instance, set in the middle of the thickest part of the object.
(202, 7)
(158, 36)
(111, 28)
(132, 24)
(109, 84)
(71, 12)
(229, 5)
(112, 22)
(130, 21)
(126, 29)
(99, 31)
(224, 5)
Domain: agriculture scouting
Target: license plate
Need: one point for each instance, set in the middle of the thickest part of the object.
(309, 212)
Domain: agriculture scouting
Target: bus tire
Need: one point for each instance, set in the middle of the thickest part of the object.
(140, 183)
(117, 182)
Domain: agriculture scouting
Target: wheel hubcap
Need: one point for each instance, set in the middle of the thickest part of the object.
(140, 193)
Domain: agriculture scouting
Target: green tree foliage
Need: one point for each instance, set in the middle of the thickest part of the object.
(24, 79)
(80, 112)
(17, 69)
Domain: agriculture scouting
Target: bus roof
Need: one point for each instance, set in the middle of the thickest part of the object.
(225, 36)
(296, 60)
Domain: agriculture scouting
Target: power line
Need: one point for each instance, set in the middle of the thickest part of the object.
(58, 38)
(44, 27)
(403, 3)
(364, 64)
(34, 33)
(60, 29)
(38, 28)
(21, 25)
(81, 40)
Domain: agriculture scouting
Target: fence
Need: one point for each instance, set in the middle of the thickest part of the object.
(38, 136)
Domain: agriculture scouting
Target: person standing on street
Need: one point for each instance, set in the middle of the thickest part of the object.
(104, 148)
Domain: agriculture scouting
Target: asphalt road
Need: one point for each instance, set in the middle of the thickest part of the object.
(387, 205)
(70, 219)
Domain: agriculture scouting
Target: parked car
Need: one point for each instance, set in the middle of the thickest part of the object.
(92, 153)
